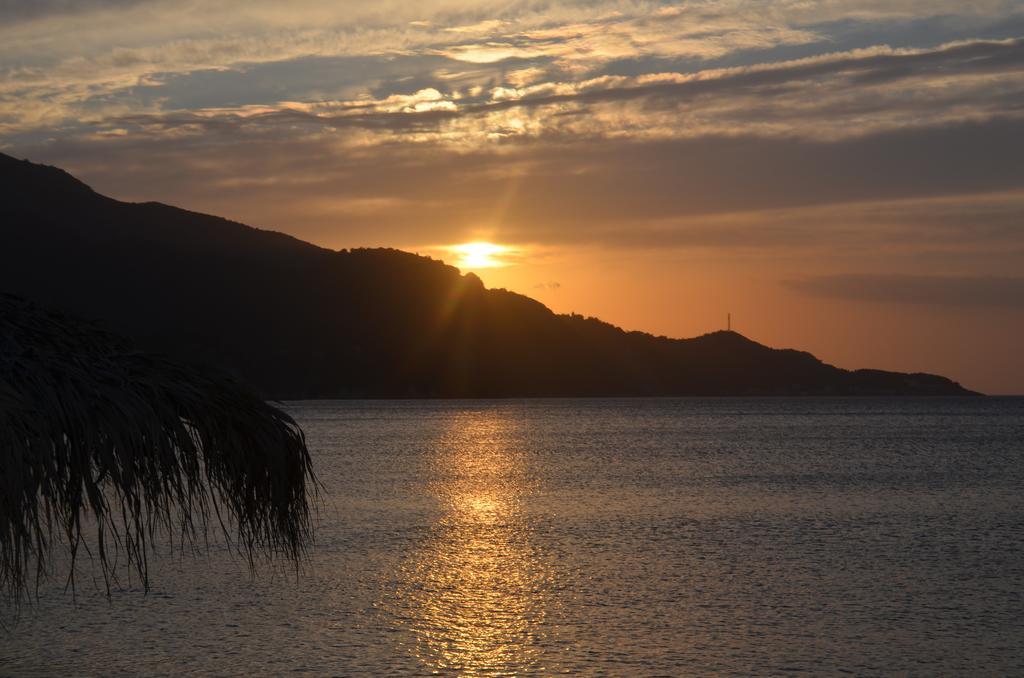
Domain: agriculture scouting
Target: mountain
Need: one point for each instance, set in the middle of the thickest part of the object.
(299, 321)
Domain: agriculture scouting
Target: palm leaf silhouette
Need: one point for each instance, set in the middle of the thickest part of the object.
(97, 436)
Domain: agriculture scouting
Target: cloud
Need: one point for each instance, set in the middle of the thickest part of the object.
(826, 97)
(585, 45)
(931, 290)
(932, 193)
(12, 11)
(68, 67)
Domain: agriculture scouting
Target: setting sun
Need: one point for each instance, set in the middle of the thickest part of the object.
(473, 255)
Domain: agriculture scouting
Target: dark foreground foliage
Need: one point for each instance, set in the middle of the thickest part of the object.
(144, 444)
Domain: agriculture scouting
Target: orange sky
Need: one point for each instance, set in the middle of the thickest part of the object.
(689, 295)
(843, 177)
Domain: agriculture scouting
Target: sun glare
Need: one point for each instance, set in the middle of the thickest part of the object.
(473, 255)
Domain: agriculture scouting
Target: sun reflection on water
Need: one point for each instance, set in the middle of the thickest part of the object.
(475, 594)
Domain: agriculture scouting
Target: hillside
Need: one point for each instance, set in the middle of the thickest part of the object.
(299, 321)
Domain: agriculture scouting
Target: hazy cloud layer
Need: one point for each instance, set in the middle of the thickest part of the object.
(938, 192)
(970, 291)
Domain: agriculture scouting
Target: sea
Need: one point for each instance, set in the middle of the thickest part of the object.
(615, 537)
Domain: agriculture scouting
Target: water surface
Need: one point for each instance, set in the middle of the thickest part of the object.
(617, 537)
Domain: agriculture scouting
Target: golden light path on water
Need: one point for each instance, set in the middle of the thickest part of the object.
(476, 595)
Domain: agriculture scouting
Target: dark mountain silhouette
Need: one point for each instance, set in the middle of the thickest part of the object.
(300, 321)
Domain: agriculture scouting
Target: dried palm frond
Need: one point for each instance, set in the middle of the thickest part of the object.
(94, 433)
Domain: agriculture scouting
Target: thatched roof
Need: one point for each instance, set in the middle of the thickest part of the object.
(90, 426)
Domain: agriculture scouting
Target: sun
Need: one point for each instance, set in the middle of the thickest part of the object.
(473, 255)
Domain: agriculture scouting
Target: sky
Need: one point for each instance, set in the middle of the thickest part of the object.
(843, 177)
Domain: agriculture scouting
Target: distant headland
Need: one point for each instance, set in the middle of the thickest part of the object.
(300, 321)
